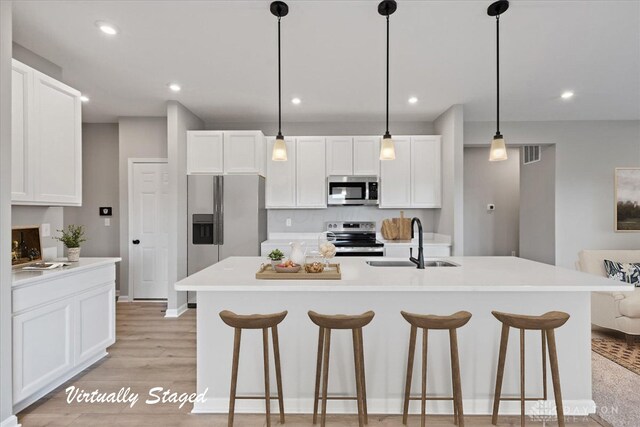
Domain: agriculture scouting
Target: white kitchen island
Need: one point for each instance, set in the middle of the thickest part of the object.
(478, 285)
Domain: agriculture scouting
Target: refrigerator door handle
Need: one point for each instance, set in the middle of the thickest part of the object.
(220, 194)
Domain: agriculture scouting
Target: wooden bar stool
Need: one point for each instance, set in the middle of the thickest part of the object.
(546, 324)
(326, 324)
(256, 321)
(426, 322)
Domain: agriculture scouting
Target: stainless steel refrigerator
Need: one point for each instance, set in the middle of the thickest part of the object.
(227, 217)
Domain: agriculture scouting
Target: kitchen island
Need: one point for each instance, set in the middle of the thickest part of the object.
(478, 285)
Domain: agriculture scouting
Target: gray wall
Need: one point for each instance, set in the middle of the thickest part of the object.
(138, 137)
(492, 233)
(328, 128)
(36, 61)
(6, 397)
(37, 215)
(312, 220)
(99, 188)
(587, 153)
(179, 121)
(449, 219)
(538, 208)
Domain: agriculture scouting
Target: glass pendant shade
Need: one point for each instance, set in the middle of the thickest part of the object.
(279, 153)
(387, 149)
(498, 149)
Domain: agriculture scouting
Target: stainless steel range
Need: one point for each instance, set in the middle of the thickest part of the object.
(355, 238)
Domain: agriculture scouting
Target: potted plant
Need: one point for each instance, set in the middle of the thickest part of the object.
(72, 237)
(276, 257)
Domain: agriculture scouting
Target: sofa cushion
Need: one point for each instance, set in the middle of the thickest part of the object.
(623, 271)
(592, 261)
(630, 306)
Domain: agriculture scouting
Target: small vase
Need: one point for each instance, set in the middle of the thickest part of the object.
(275, 262)
(73, 254)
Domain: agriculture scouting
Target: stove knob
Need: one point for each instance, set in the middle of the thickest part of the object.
(330, 225)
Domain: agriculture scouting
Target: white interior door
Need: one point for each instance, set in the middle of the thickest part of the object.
(149, 237)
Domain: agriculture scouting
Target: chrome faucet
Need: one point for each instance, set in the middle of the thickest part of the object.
(420, 261)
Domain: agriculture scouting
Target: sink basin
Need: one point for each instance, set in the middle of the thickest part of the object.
(390, 263)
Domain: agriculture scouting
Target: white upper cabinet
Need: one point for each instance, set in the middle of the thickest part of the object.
(395, 176)
(204, 152)
(311, 183)
(281, 177)
(225, 152)
(426, 185)
(47, 140)
(339, 155)
(366, 155)
(244, 152)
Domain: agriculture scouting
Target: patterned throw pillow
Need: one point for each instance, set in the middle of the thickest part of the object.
(623, 271)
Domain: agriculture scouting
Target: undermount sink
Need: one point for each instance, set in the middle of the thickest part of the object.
(391, 263)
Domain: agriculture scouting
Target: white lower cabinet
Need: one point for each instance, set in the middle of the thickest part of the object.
(60, 326)
(403, 251)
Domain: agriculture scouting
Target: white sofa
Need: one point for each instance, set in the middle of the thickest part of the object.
(619, 311)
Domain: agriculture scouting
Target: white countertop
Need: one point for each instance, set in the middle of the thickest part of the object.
(429, 239)
(21, 277)
(475, 274)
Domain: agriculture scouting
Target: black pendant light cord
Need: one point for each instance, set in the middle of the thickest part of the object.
(498, 75)
(279, 86)
(387, 132)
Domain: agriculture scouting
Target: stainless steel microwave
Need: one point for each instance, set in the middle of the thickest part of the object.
(352, 190)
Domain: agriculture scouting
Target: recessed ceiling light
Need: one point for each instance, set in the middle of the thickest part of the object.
(107, 28)
(175, 87)
(296, 101)
(567, 95)
(413, 100)
(84, 98)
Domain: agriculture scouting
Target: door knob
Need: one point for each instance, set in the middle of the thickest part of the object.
(136, 242)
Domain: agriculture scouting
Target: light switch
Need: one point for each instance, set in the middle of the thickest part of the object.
(107, 222)
(45, 230)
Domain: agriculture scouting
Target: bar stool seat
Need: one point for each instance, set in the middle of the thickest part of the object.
(435, 322)
(264, 322)
(546, 324)
(326, 323)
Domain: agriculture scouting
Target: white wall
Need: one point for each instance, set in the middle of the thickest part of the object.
(586, 154)
(37, 215)
(491, 233)
(449, 219)
(36, 61)
(179, 120)
(538, 208)
(138, 137)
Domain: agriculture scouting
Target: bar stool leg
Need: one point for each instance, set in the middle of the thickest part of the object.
(363, 382)
(455, 368)
(234, 374)
(276, 356)
(407, 387)
(555, 375)
(325, 375)
(544, 365)
(318, 374)
(265, 351)
(423, 406)
(522, 377)
(356, 359)
(504, 339)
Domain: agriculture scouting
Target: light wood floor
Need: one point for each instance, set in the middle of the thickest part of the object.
(152, 351)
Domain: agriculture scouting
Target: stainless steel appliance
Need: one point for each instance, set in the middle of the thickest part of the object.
(352, 190)
(355, 238)
(227, 217)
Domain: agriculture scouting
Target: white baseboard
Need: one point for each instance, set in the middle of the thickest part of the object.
(12, 421)
(123, 298)
(572, 408)
(176, 312)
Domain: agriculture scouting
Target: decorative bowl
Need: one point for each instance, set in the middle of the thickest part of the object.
(293, 269)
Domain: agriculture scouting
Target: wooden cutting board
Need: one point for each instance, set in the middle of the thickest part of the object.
(404, 227)
(267, 272)
(389, 230)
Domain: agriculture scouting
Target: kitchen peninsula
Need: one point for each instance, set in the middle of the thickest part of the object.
(478, 285)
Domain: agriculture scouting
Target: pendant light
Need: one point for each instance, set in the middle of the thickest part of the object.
(498, 149)
(279, 9)
(387, 149)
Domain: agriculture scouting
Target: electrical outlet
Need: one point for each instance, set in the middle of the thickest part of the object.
(513, 253)
(107, 222)
(45, 230)
(288, 222)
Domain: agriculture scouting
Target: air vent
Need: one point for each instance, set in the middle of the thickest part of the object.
(530, 154)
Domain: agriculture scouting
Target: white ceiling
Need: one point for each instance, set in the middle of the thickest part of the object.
(223, 53)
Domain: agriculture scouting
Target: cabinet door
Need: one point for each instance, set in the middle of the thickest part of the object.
(95, 322)
(311, 183)
(366, 155)
(395, 176)
(281, 177)
(339, 155)
(57, 150)
(21, 99)
(425, 172)
(204, 152)
(42, 347)
(243, 152)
